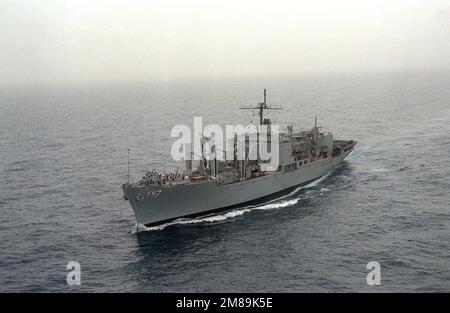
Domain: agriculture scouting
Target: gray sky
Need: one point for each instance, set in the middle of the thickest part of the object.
(58, 41)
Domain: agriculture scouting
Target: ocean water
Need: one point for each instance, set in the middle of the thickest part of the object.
(63, 158)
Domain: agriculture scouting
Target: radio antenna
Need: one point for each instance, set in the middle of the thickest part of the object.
(259, 108)
(128, 165)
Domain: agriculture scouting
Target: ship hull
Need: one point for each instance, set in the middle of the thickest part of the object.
(157, 204)
(261, 200)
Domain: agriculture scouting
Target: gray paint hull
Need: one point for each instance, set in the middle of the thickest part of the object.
(163, 203)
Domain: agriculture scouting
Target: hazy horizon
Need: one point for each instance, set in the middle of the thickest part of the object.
(50, 41)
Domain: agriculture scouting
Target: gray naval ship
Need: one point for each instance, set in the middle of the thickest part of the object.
(214, 186)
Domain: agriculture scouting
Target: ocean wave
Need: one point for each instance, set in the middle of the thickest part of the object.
(379, 170)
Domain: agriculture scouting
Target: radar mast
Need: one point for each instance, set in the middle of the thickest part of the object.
(259, 108)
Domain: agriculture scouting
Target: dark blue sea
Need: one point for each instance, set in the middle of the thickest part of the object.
(63, 158)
